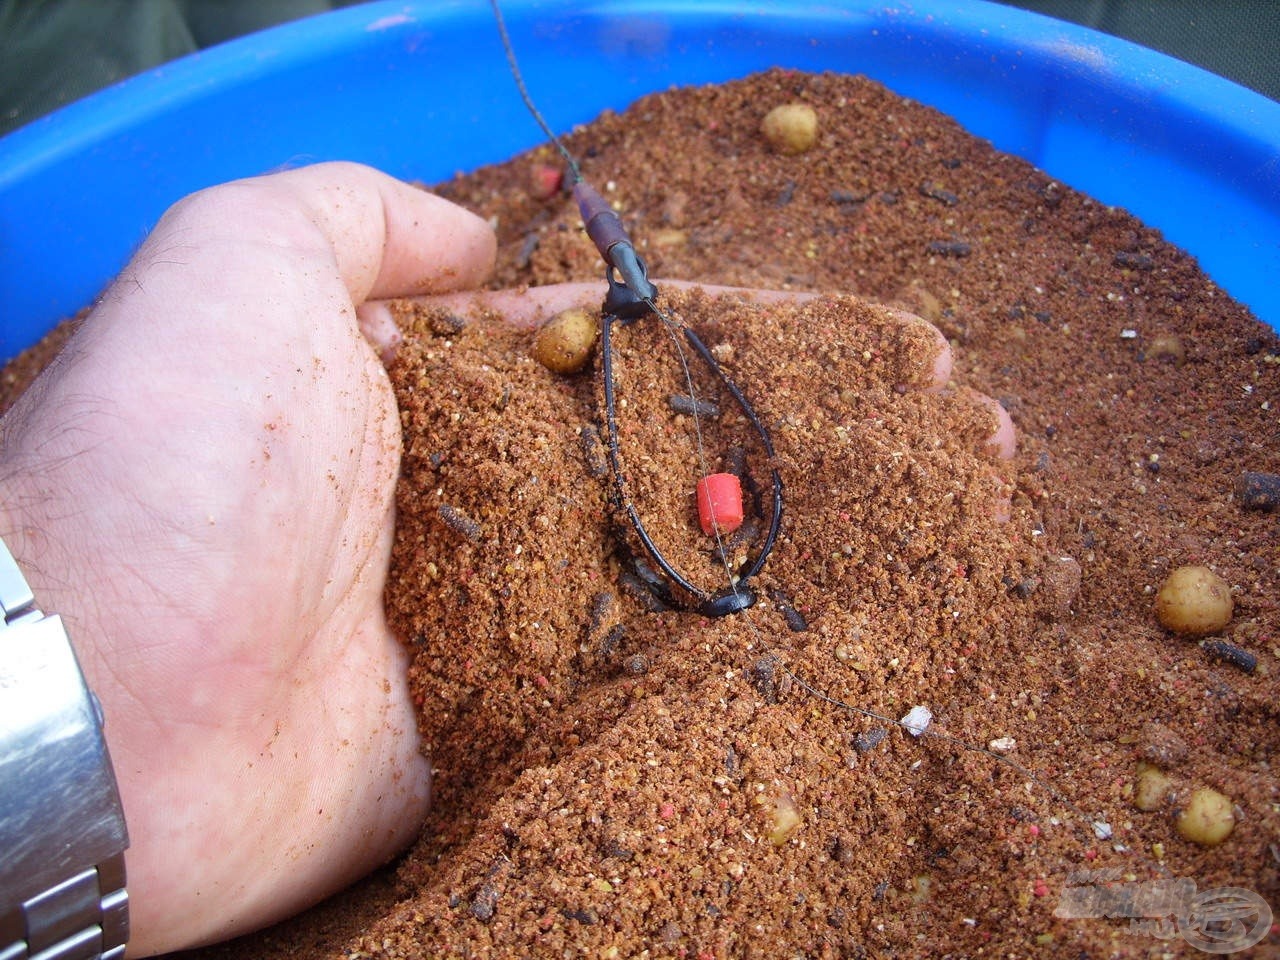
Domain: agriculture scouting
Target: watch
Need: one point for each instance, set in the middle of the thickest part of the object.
(62, 830)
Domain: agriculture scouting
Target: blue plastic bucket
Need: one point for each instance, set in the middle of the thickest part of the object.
(422, 90)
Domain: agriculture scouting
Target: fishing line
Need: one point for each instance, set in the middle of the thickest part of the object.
(510, 51)
(669, 326)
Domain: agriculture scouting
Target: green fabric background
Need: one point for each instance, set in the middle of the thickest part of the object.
(55, 51)
(1237, 39)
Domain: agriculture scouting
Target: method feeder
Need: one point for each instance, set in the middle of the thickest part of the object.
(631, 296)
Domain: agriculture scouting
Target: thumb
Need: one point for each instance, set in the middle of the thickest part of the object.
(391, 239)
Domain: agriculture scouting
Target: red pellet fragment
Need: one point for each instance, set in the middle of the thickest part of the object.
(719, 503)
(545, 180)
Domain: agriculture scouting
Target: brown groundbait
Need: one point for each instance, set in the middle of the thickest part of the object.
(617, 782)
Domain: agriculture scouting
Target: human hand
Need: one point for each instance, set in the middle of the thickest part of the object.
(201, 485)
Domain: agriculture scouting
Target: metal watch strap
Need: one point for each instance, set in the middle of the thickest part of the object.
(62, 832)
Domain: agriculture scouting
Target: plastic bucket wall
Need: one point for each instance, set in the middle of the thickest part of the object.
(422, 90)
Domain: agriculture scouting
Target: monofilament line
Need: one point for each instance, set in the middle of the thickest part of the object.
(524, 92)
(669, 325)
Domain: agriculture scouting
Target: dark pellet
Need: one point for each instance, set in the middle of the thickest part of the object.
(764, 677)
(618, 852)
(617, 633)
(636, 588)
(1022, 589)
(843, 851)
(527, 247)
(1258, 491)
(795, 621)
(950, 248)
(735, 462)
(934, 192)
(690, 406)
(446, 324)
(869, 739)
(1133, 261)
(847, 198)
(593, 453)
(1230, 653)
(459, 522)
(787, 193)
(746, 533)
(1052, 195)
(485, 903)
(601, 604)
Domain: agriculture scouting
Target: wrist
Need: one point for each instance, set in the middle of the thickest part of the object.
(53, 534)
(62, 879)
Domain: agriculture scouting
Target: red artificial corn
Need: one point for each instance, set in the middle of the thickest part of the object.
(719, 497)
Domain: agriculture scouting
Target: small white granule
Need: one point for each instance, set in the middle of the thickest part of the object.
(917, 720)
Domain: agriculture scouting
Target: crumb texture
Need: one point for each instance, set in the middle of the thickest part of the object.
(616, 780)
